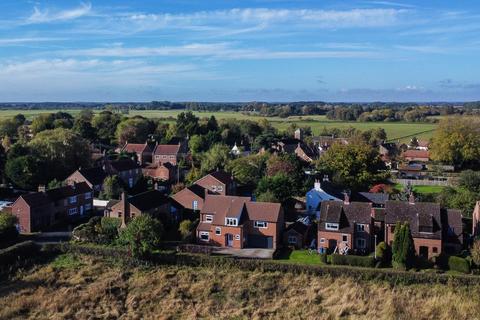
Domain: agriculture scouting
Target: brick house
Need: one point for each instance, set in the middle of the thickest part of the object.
(424, 219)
(416, 155)
(151, 202)
(143, 151)
(164, 172)
(39, 210)
(296, 235)
(237, 222)
(217, 182)
(171, 153)
(345, 226)
(126, 169)
(94, 177)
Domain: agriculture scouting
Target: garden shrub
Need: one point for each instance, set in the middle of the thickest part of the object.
(458, 264)
(323, 258)
(351, 260)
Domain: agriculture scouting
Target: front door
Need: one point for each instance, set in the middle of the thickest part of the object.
(423, 252)
(229, 239)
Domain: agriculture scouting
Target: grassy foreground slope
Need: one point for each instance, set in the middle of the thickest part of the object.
(86, 287)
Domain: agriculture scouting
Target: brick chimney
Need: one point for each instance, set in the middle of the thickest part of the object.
(317, 186)
(346, 198)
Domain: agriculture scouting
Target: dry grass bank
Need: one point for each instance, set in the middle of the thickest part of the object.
(90, 288)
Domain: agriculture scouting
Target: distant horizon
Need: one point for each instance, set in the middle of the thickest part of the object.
(239, 50)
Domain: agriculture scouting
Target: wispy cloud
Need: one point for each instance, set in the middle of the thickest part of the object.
(391, 4)
(223, 51)
(47, 15)
(20, 41)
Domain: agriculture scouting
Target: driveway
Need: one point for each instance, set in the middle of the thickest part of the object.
(252, 253)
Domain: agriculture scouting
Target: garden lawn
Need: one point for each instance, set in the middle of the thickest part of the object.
(299, 256)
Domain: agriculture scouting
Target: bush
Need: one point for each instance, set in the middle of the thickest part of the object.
(8, 229)
(384, 254)
(101, 230)
(186, 228)
(355, 261)
(142, 235)
(109, 229)
(323, 258)
(458, 264)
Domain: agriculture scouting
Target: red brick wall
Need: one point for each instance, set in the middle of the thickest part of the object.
(272, 230)
(220, 240)
(77, 177)
(186, 198)
(329, 235)
(417, 242)
(22, 211)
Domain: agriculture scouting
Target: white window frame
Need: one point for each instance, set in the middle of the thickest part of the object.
(72, 199)
(344, 235)
(214, 188)
(219, 188)
(322, 240)
(204, 233)
(233, 222)
(361, 227)
(260, 224)
(218, 231)
(331, 226)
(195, 204)
(237, 237)
(208, 218)
(72, 211)
(292, 239)
(361, 240)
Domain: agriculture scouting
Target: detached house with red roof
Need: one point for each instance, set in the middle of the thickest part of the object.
(217, 183)
(416, 155)
(143, 151)
(238, 222)
(169, 153)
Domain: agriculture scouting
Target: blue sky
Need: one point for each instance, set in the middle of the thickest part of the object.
(264, 50)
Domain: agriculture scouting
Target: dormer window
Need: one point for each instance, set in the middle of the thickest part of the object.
(208, 218)
(361, 227)
(231, 222)
(331, 226)
(260, 224)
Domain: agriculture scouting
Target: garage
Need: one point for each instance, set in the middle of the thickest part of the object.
(256, 241)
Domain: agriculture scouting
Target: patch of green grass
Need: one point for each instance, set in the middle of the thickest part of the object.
(422, 189)
(299, 256)
(66, 261)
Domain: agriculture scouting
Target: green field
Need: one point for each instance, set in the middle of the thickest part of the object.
(395, 130)
(423, 189)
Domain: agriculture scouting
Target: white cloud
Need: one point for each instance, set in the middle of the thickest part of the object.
(19, 41)
(222, 51)
(45, 16)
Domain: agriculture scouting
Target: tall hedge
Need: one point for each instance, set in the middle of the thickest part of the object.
(458, 264)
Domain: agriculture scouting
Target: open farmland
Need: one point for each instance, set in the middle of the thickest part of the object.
(395, 130)
(87, 287)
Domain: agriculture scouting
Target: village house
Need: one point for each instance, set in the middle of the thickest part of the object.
(94, 177)
(163, 172)
(317, 195)
(323, 143)
(218, 182)
(432, 228)
(170, 153)
(237, 222)
(416, 155)
(345, 227)
(143, 151)
(39, 210)
(153, 203)
(296, 235)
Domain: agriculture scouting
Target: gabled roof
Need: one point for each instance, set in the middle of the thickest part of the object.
(297, 226)
(171, 149)
(346, 215)
(36, 199)
(418, 214)
(222, 207)
(148, 200)
(452, 225)
(416, 154)
(124, 165)
(222, 176)
(68, 191)
(375, 198)
(136, 147)
(95, 175)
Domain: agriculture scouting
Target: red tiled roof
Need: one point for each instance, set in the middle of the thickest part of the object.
(167, 149)
(136, 147)
(416, 154)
